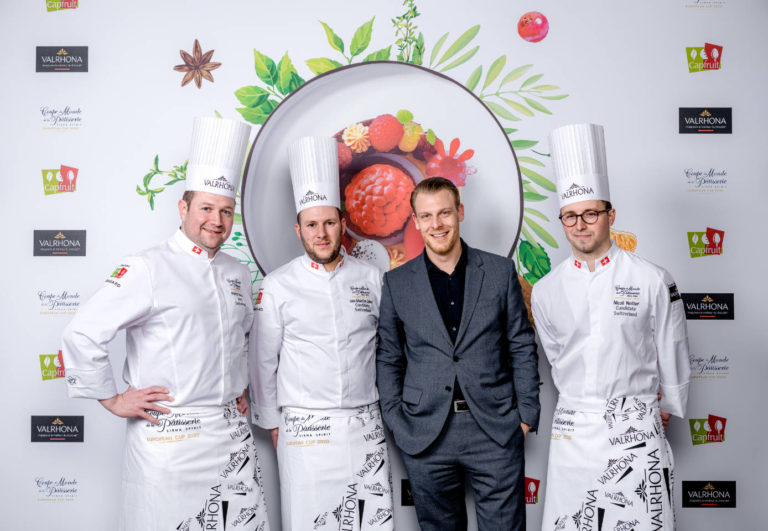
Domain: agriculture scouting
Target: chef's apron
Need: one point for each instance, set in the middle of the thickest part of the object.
(610, 467)
(334, 470)
(197, 470)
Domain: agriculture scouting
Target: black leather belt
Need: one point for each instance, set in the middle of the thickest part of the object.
(460, 406)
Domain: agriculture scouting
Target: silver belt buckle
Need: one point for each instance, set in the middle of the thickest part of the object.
(460, 406)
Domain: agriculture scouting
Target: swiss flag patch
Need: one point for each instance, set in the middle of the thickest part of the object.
(605, 260)
(315, 266)
(196, 250)
(577, 263)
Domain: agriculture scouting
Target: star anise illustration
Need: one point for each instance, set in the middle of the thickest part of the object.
(197, 66)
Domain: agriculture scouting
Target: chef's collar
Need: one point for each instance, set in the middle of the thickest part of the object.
(189, 247)
(319, 269)
(600, 263)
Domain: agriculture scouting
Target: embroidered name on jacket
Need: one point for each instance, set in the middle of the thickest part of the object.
(626, 301)
(361, 298)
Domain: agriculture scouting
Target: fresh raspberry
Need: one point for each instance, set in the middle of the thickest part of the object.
(345, 155)
(423, 149)
(377, 199)
(385, 132)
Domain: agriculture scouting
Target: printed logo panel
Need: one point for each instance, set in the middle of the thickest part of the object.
(708, 430)
(59, 243)
(60, 180)
(709, 494)
(57, 429)
(705, 57)
(703, 180)
(61, 59)
(51, 366)
(709, 120)
(61, 117)
(708, 305)
(60, 5)
(62, 488)
(706, 243)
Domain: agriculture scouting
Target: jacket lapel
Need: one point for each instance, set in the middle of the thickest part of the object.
(422, 291)
(473, 281)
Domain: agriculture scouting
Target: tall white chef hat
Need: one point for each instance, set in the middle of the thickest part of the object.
(579, 163)
(216, 155)
(314, 165)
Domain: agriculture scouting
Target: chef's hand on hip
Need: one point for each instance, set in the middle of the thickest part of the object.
(242, 404)
(134, 402)
(665, 418)
(526, 428)
(273, 433)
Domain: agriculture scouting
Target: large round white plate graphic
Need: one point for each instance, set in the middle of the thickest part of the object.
(491, 189)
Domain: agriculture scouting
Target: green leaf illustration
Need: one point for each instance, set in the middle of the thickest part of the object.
(528, 187)
(514, 74)
(140, 191)
(531, 80)
(321, 65)
(558, 97)
(519, 107)
(333, 39)
(459, 44)
(501, 111)
(524, 144)
(461, 60)
(218, 114)
(148, 177)
(265, 68)
(255, 116)
(237, 219)
(533, 197)
(495, 70)
(536, 105)
(538, 179)
(379, 55)
(436, 49)
(251, 96)
(361, 38)
(151, 199)
(540, 232)
(285, 71)
(545, 87)
(157, 160)
(536, 213)
(431, 137)
(474, 78)
(404, 116)
(534, 259)
(530, 160)
(528, 235)
(509, 130)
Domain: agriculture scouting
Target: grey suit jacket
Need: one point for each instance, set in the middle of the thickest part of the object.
(494, 357)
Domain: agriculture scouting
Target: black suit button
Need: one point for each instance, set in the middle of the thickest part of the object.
(455, 358)
(447, 387)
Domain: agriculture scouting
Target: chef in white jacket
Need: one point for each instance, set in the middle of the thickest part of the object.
(186, 308)
(312, 362)
(613, 328)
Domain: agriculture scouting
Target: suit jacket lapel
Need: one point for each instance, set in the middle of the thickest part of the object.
(422, 291)
(473, 281)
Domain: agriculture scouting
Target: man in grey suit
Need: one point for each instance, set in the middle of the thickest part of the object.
(457, 371)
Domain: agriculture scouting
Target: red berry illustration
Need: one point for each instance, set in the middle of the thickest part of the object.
(385, 132)
(449, 165)
(345, 156)
(414, 243)
(377, 199)
(533, 26)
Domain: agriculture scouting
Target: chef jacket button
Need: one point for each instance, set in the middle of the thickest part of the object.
(453, 328)
(451, 303)
(447, 387)
(455, 358)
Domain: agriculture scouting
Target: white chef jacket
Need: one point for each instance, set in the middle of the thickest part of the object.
(313, 343)
(186, 318)
(619, 331)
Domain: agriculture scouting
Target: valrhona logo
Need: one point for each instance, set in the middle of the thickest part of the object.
(60, 180)
(312, 197)
(51, 366)
(708, 430)
(59, 243)
(708, 305)
(709, 494)
(706, 243)
(710, 120)
(57, 429)
(62, 59)
(576, 190)
(221, 184)
(59, 489)
(532, 491)
(705, 57)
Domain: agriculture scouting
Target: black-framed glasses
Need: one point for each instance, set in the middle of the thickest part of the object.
(588, 216)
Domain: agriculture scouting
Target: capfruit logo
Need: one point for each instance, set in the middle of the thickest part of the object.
(708, 430)
(57, 181)
(51, 366)
(532, 491)
(707, 243)
(58, 5)
(705, 57)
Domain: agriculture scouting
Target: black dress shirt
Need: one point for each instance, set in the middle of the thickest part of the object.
(448, 290)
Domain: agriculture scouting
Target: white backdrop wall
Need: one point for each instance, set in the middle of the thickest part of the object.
(622, 64)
